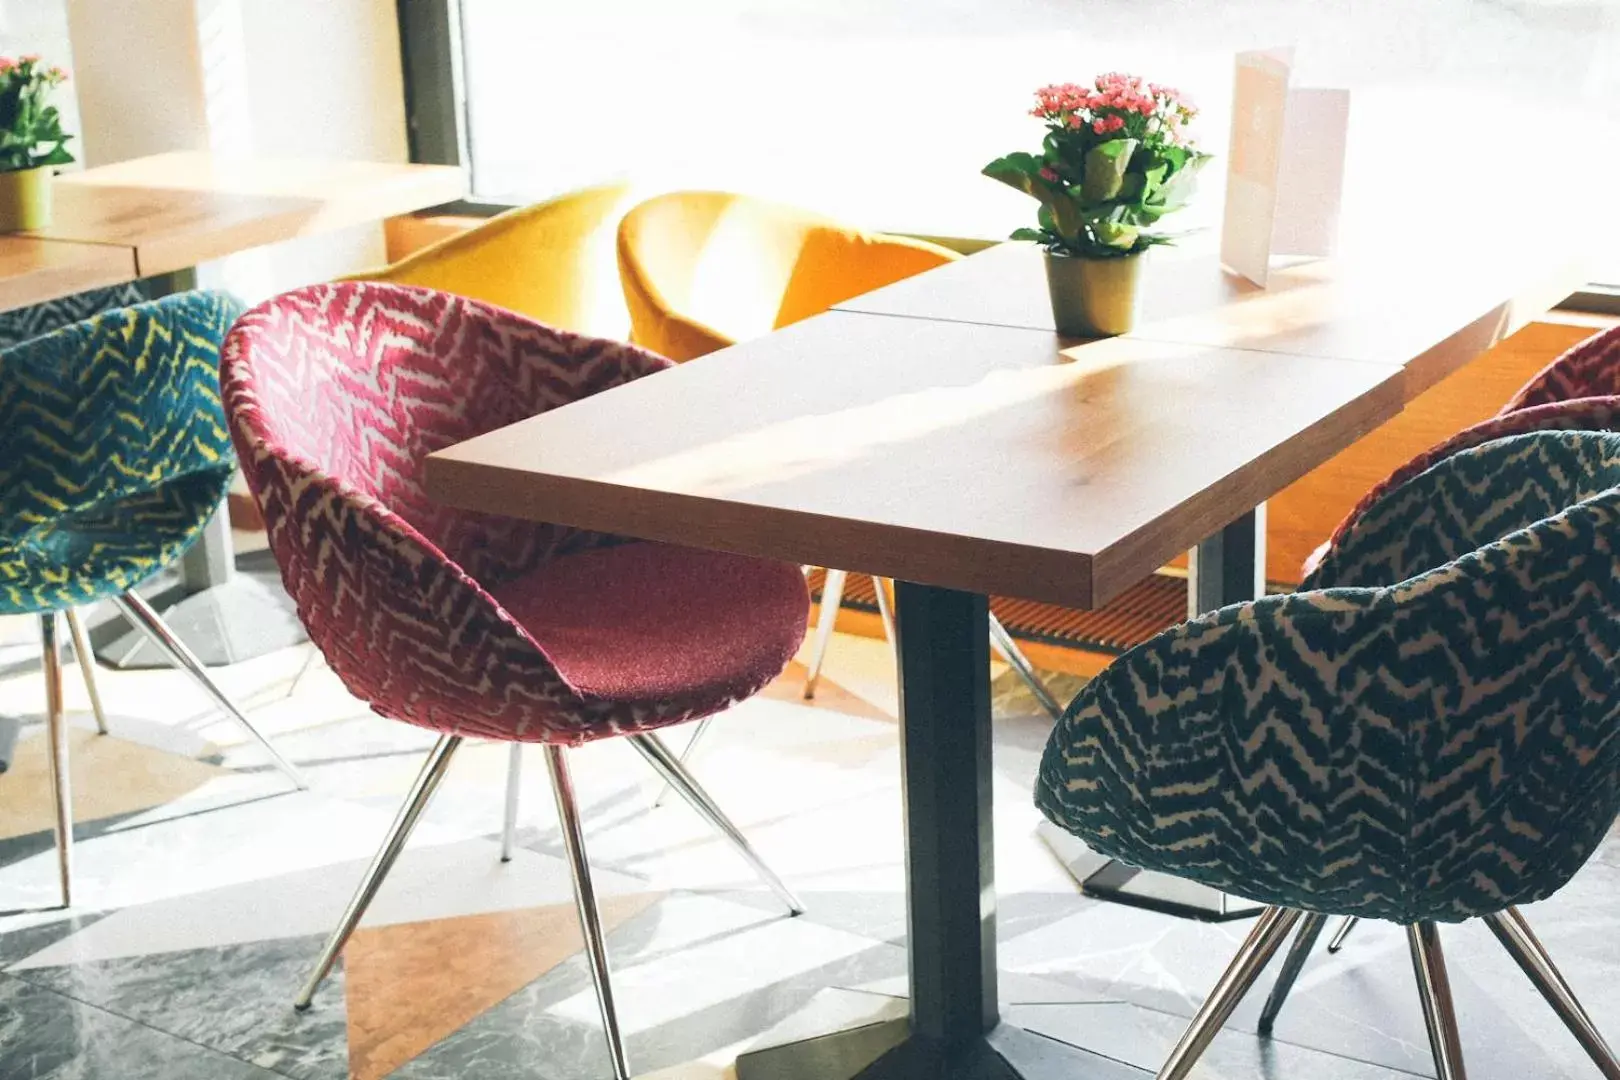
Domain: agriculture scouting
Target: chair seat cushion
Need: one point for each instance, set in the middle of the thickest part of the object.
(645, 622)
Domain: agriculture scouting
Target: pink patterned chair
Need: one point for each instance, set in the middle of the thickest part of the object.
(1580, 390)
(475, 625)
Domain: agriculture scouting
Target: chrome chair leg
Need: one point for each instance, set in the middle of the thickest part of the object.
(140, 613)
(1434, 990)
(87, 666)
(57, 754)
(669, 766)
(427, 781)
(1004, 644)
(1270, 931)
(832, 598)
(880, 587)
(514, 783)
(1336, 942)
(1310, 928)
(1517, 938)
(687, 753)
(590, 920)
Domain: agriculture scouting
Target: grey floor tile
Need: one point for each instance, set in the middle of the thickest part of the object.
(235, 999)
(661, 959)
(45, 1036)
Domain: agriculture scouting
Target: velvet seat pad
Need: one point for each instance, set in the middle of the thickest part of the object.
(643, 622)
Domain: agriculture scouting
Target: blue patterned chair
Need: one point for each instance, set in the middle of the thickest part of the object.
(1431, 734)
(114, 454)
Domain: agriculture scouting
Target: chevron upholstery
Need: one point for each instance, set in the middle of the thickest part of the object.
(1590, 369)
(1429, 735)
(20, 324)
(336, 395)
(1580, 390)
(113, 449)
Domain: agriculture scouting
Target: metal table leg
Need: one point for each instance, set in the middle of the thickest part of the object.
(954, 1029)
(1227, 568)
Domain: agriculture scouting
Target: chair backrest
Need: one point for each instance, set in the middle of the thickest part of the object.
(113, 407)
(705, 269)
(336, 394)
(1579, 414)
(20, 324)
(362, 381)
(552, 262)
(1590, 369)
(1437, 747)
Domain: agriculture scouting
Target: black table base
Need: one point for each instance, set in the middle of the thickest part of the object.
(888, 1051)
(954, 1031)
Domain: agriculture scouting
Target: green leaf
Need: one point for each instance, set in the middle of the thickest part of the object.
(55, 156)
(1174, 193)
(1037, 235)
(1105, 170)
(1116, 235)
(1023, 171)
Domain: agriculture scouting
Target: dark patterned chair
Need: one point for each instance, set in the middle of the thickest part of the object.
(20, 324)
(113, 457)
(474, 625)
(1429, 734)
(1578, 391)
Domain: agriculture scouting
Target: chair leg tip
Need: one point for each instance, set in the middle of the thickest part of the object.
(301, 1006)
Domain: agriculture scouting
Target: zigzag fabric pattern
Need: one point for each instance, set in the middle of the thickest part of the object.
(113, 449)
(21, 324)
(1432, 734)
(336, 395)
(1590, 369)
(1578, 391)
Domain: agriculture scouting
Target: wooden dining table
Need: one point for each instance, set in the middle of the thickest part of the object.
(941, 433)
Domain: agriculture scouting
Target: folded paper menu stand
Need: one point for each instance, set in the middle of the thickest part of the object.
(1285, 166)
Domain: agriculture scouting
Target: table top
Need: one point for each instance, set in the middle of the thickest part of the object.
(33, 271)
(1430, 312)
(997, 459)
(176, 210)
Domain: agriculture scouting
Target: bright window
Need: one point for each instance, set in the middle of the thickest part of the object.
(882, 111)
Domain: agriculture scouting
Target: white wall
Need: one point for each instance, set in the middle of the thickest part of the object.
(278, 78)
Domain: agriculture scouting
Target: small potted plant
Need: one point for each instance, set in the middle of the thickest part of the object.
(1115, 160)
(32, 142)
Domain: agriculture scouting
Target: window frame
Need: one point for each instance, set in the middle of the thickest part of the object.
(431, 63)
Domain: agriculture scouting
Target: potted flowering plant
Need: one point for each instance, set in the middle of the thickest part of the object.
(31, 142)
(1115, 160)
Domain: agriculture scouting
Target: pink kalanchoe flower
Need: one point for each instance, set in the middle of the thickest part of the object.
(58, 74)
(1100, 125)
(1076, 121)
(30, 58)
(1048, 175)
(7, 64)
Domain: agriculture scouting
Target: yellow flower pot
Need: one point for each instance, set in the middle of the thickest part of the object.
(1093, 297)
(25, 199)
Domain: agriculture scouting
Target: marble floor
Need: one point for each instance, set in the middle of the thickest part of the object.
(205, 887)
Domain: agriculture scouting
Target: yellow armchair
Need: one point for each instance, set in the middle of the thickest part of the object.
(552, 261)
(705, 269)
